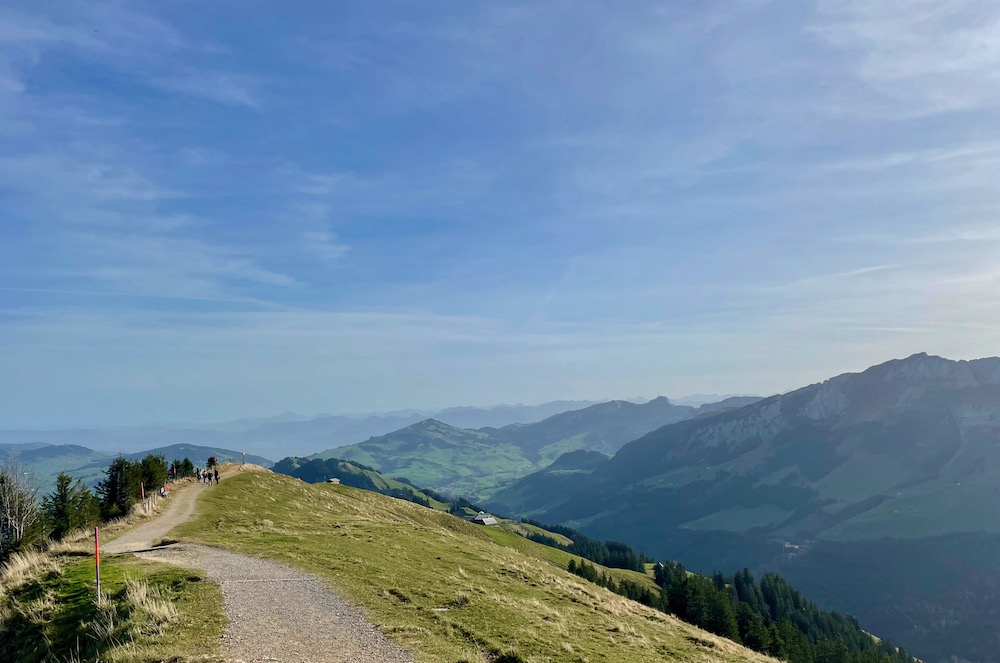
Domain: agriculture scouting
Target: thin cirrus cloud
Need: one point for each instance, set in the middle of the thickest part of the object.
(930, 56)
(512, 202)
(324, 244)
(220, 87)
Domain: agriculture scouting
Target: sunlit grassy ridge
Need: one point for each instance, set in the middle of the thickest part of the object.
(446, 589)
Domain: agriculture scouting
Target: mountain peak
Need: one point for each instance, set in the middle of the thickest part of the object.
(428, 424)
(923, 368)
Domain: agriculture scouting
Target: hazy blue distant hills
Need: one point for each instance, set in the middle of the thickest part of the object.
(697, 400)
(13, 449)
(603, 427)
(505, 415)
(200, 455)
(818, 479)
(263, 438)
(46, 461)
(280, 435)
(474, 462)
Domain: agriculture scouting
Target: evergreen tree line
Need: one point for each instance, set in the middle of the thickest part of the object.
(432, 494)
(626, 588)
(460, 504)
(180, 469)
(613, 554)
(771, 617)
(72, 505)
(124, 482)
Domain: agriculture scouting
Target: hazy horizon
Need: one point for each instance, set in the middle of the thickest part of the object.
(209, 211)
(691, 399)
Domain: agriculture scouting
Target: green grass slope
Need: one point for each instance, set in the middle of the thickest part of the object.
(441, 457)
(446, 589)
(149, 611)
(351, 473)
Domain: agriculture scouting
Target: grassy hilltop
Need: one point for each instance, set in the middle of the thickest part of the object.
(446, 589)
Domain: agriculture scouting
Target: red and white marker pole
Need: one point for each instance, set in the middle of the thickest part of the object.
(97, 558)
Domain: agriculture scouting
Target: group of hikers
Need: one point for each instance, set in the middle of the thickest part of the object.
(207, 475)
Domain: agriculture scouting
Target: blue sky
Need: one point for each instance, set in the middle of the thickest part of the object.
(214, 210)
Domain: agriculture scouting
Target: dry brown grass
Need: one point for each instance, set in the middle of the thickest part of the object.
(24, 567)
(227, 468)
(147, 611)
(150, 612)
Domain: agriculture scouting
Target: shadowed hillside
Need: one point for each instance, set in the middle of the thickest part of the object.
(909, 449)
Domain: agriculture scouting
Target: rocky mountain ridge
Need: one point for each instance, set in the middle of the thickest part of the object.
(831, 474)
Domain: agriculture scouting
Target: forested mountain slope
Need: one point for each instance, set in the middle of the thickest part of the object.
(909, 449)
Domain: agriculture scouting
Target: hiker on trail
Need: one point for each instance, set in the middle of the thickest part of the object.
(198, 473)
(216, 476)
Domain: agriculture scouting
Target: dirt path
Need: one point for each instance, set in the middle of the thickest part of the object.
(179, 508)
(276, 614)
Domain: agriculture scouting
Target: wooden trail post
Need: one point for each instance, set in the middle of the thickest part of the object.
(97, 558)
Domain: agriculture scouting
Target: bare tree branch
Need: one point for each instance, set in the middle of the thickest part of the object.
(19, 510)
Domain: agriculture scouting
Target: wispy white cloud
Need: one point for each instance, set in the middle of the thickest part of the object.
(930, 56)
(965, 156)
(76, 293)
(221, 87)
(434, 188)
(848, 275)
(182, 265)
(324, 244)
(106, 219)
(990, 234)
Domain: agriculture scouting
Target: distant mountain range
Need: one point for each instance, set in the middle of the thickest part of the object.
(48, 460)
(474, 462)
(697, 400)
(815, 481)
(278, 436)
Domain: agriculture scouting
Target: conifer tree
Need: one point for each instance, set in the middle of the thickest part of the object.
(120, 488)
(71, 506)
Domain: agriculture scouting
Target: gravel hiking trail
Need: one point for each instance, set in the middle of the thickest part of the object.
(276, 614)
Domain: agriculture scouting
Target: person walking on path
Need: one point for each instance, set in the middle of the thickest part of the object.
(216, 476)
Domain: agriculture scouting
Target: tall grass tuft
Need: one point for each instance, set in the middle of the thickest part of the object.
(22, 568)
(149, 611)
